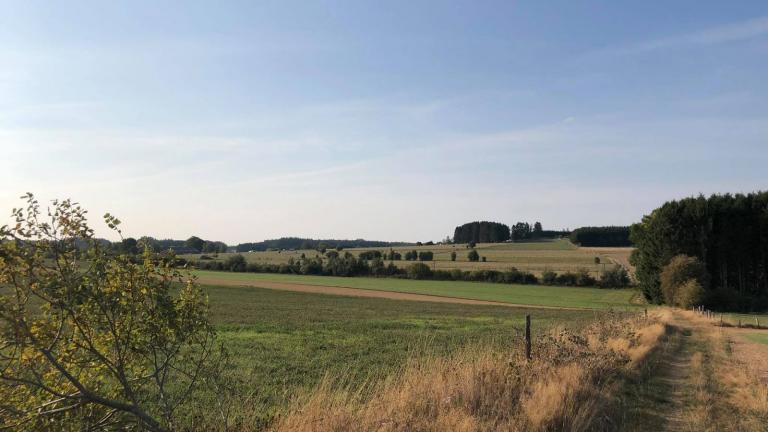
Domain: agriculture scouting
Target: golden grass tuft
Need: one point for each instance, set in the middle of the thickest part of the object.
(567, 386)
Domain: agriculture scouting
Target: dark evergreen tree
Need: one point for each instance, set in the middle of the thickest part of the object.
(481, 232)
(727, 233)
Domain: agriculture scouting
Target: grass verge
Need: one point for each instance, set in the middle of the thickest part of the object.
(568, 385)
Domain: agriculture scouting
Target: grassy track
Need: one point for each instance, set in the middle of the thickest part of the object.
(284, 341)
(537, 295)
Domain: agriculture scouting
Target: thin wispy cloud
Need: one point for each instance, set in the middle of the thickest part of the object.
(716, 35)
(240, 124)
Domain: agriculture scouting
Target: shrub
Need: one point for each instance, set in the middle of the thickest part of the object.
(690, 294)
(78, 340)
(483, 259)
(678, 272)
(235, 263)
(457, 274)
(453, 256)
(616, 277)
(426, 256)
(583, 278)
(369, 255)
(473, 255)
(566, 279)
(549, 277)
(418, 271)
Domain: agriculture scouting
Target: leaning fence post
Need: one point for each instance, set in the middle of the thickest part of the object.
(528, 337)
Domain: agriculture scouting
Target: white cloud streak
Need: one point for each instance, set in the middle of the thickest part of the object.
(716, 35)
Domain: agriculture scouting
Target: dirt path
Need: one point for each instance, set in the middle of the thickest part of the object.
(360, 292)
(696, 376)
(658, 400)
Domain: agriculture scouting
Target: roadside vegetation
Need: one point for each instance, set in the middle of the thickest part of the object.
(568, 384)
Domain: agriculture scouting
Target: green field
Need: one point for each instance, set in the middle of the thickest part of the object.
(537, 295)
(745, 319)
(282, 342)
(535, 256)
(761, 338)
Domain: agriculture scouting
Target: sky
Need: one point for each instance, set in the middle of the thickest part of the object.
(396, 120)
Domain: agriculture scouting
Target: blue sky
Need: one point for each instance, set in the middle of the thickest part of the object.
(240, 121)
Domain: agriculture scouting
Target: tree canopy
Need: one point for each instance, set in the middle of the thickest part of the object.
(90, 340)
(607, 236)
(481, 232)
(727, 233)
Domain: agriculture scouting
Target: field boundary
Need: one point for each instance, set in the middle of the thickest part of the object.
(374, 293)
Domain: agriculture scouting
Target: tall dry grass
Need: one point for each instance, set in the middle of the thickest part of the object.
(567, 386)
(729, 391)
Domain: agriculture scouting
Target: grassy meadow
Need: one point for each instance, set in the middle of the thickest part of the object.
(535, 256)
(283, 343)
(536, 295)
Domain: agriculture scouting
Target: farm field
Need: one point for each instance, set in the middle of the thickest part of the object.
(284, 342)
(745, 319)
(536, 256)
(535, 295)
(761, 338)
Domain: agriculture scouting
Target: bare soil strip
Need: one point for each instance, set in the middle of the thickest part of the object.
(360, 292)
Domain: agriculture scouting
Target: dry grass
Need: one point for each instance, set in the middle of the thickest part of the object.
(567, 386)
(745, 393)
(729, 391)
(699, 416)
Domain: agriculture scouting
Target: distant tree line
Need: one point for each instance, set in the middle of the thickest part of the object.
(481, 232)
(495, 232)
(726, 234)
(607, 236)
(305, 243)
(346, 264)
(523, 231)
(132, 246)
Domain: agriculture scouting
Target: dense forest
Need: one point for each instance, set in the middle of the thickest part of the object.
(609, 236)
(728, 234)
(481, 232)
(305, 243)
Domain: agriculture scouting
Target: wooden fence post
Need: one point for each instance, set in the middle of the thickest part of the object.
(646, 313)
(757, 322)
(739, 322)
(528, 337)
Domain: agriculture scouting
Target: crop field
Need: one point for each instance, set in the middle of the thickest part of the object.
(282, 343)
(536, 257)
(535, 295)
